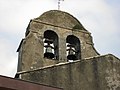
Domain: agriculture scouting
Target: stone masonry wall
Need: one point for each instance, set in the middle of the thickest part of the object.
(97, 73)
(31, 48)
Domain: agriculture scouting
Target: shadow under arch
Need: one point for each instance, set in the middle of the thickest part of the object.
(73, 47)
(52, 36)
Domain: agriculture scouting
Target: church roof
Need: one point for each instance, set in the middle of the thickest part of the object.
(60, 18)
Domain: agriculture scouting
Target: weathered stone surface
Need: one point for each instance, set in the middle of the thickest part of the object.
(97, 73)
(61, 19)
(90, 72)
(32, 47)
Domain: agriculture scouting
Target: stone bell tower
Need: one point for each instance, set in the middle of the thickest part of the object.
(52, 38)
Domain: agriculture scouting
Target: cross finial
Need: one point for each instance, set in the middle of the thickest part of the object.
(59, 4)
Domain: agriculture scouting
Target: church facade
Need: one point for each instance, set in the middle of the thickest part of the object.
(58, 51)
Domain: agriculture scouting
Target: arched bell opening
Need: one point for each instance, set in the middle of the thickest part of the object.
(73, 48)
(50, 45)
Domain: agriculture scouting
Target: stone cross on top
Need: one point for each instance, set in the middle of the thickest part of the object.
(59, 4)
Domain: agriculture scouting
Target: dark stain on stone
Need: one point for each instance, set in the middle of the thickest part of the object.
(96, 74)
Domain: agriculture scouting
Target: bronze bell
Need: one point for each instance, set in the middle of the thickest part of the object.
(71, 52)
(48, 49)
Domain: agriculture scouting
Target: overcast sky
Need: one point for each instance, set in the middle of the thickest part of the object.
(100, 17)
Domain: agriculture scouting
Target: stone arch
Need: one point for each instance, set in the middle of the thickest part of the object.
(52, 36)
(73, 41)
